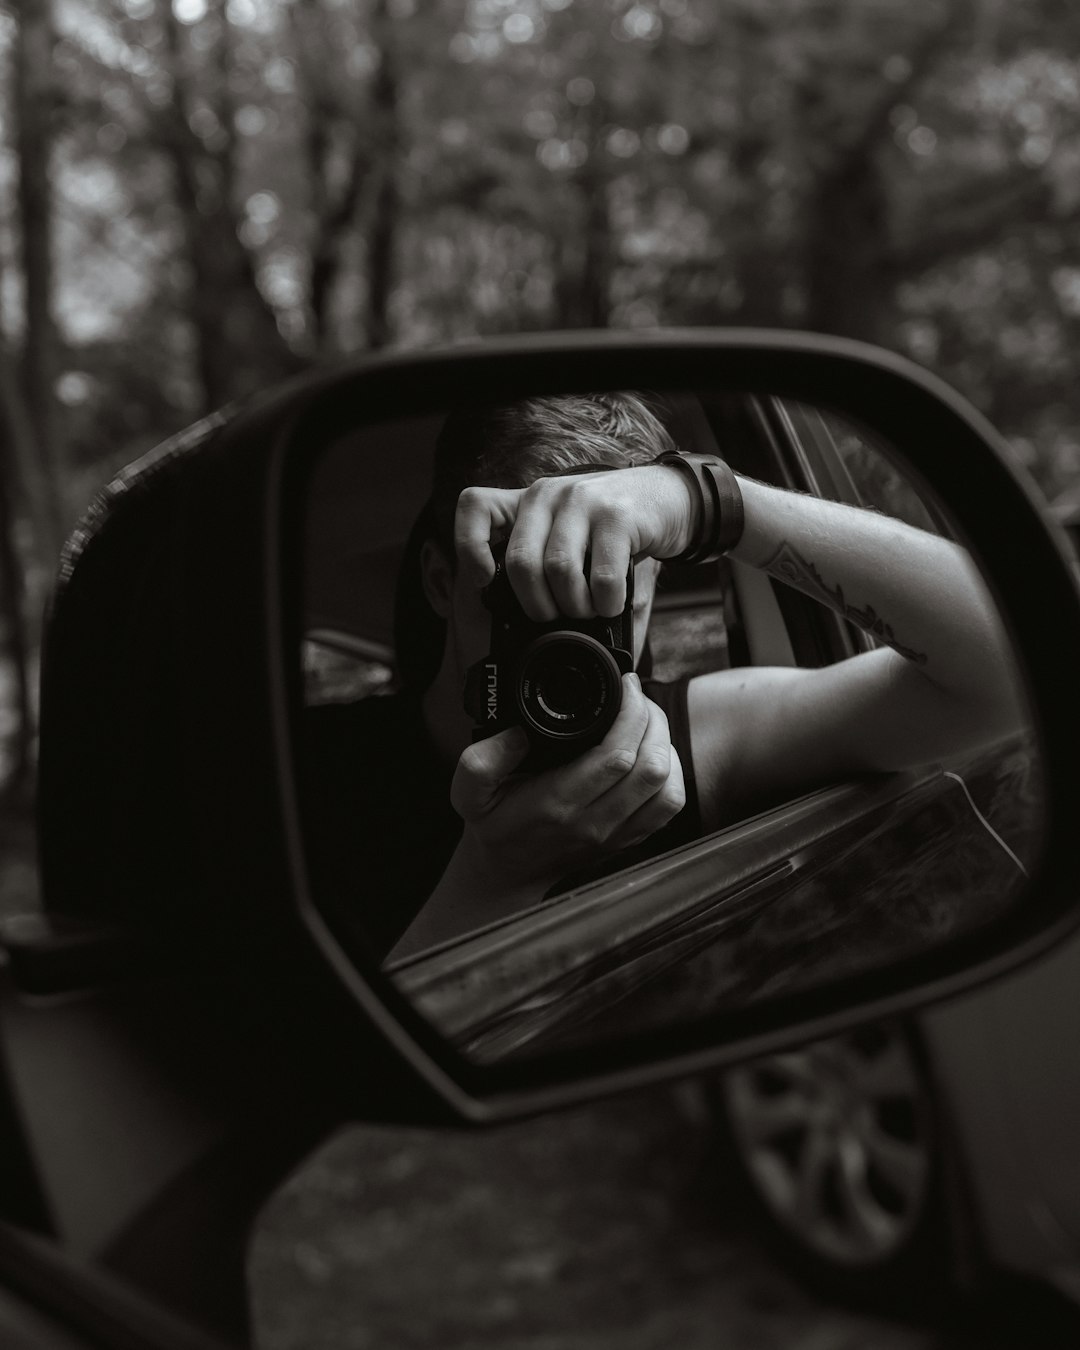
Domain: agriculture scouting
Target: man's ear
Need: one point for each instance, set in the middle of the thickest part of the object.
(437, 578)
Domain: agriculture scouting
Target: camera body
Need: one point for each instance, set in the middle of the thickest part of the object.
(561, 681)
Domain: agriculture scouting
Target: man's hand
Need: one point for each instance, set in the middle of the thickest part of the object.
(521, 829)
(553, 525)
(523, 832)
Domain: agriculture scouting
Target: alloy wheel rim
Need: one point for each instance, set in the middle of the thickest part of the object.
(837, 1138)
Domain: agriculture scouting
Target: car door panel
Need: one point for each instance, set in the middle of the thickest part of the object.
(1034, 1025)
(701, 928)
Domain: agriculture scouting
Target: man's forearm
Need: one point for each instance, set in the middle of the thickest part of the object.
(469, 896)
(916, 592)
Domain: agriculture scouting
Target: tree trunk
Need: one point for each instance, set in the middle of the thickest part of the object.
(848, 279)
(331, 212)
(848, 273)
(759, 264)
(386, 205)
(33, 110)
(586, 254)
(238, 346)
(597, 263)
(13, 617)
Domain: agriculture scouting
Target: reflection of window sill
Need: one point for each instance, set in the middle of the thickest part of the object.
(341, 667)
(350, 644)
(502, 987)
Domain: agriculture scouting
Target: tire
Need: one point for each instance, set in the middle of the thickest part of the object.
(838, 1148)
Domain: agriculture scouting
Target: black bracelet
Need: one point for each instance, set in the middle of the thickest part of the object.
(719, 505)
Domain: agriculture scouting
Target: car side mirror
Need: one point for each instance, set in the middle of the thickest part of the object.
(311, 618)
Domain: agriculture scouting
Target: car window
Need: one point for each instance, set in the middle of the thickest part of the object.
(827, 455)
(875, 479)
(694, 616)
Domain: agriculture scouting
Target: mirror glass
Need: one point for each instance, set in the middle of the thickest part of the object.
(759, 773)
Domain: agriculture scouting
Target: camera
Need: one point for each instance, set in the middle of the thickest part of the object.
(561, 681)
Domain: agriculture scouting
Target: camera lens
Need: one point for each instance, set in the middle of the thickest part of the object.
(569, 686)
(563, 691)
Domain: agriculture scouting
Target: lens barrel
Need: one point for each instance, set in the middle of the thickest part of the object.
(569, 687)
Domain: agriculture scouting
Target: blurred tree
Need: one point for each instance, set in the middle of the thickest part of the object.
(845, 107)
(241, 189)
(383, 224)
(214, 193)
(16, 640)
(348, 88)
(238, 345)
(338, 157)
(30, 493)
(583, 233)
(30, 410)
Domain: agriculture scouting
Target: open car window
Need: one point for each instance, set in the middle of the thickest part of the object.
(704, 618)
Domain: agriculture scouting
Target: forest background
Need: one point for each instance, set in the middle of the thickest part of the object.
(201, 197)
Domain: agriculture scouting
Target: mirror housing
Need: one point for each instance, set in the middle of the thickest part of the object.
(180, 742)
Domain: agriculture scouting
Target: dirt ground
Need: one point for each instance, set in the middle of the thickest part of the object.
(609, 1226)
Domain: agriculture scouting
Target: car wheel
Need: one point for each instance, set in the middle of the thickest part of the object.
(838, 1146)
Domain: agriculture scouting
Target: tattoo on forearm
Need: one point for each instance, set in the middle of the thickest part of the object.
(789, 566)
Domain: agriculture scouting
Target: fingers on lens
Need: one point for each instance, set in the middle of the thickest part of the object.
(652, 770)
(657, 811)
(616, 756)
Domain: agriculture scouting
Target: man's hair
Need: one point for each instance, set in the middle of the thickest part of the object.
(509, 445)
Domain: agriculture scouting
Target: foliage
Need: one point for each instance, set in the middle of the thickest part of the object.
(244, 188)
(905, 173)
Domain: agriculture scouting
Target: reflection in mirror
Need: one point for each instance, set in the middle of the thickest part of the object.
(594, 742)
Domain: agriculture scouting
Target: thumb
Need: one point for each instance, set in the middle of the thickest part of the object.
(482, 770)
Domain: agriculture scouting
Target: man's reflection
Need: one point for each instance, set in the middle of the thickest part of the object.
(444, 836)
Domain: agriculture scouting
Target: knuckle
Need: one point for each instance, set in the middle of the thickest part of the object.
(558, 814)
(582, 492)
(654, 767)
(614, 515)
(673, 798)
(659, 716)
(561, 564)
(620, 762)
(518, 557)
(603, 574)
(593, 832)
(538, 488)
